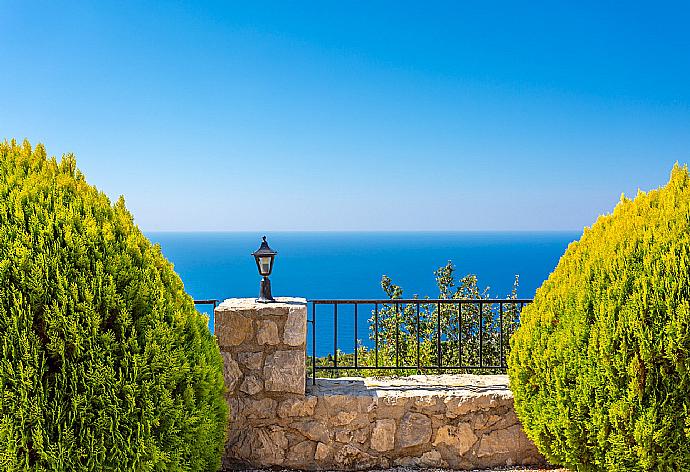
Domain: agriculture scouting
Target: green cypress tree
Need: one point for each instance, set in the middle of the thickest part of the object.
(600, 366)
(104, 362)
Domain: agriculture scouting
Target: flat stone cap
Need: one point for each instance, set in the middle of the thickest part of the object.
(252, 304)
(416, 386)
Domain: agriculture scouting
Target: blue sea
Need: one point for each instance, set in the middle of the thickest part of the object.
(331, 265)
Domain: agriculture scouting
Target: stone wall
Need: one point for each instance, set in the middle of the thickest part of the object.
(458, 421)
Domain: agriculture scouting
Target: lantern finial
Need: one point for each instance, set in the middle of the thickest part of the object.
(264, 257)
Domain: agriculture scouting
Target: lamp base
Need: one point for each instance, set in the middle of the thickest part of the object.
(265, 294)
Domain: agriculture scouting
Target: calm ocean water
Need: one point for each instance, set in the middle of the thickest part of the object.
(350, 265)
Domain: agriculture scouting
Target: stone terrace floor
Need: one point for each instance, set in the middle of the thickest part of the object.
(413, 386)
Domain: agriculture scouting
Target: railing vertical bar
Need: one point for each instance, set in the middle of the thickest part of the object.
(356, 365)
(376, 332)
(500, 332)
(481, 335)
(419, 371)
(438, 335)
(397, 335)
(459, 333)
(313, 343)
(335, 338)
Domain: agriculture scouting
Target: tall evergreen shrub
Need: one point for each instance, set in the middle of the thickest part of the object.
(104, 362)
(600, 366)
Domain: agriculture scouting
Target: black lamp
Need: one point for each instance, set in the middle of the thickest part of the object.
(264, 257)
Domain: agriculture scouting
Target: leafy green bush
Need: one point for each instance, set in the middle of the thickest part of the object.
(104, 362)
(600, 366)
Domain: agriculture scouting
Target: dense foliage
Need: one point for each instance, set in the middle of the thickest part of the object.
(459, 327)
(104, 362)
(600, 366)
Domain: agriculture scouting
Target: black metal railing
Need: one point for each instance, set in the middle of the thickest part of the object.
(210, 301)
(445, 326)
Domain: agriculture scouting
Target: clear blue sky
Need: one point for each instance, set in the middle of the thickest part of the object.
(354, 115)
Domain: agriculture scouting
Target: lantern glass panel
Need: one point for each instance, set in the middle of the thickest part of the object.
(265, 265)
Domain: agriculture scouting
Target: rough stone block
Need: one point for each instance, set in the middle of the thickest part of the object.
(383, 435)
(267, 332)
(350, 457)
(391, 406)
(252, 408)
(322, 452)
(469, 403)
(285, 371)
(301, 453)
(344, 401)
(231, 328)
(314, 430)
(295, 332)
(426, 460)
(271, 446)
(343, 418)
(251, 360)
(459, 439)
(252, 385)
(264, 446)
(361, 435)
(231, 371)
(414, 430)
(297, 407)
(503, 441)
(344, 436)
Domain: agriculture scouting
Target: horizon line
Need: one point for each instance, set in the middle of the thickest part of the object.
(363, 231)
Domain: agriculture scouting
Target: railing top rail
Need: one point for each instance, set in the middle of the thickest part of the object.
(421, 301)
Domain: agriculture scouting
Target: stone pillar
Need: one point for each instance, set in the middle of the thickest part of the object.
(263, 347)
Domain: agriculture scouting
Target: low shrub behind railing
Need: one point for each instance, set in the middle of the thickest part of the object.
(463, 331)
